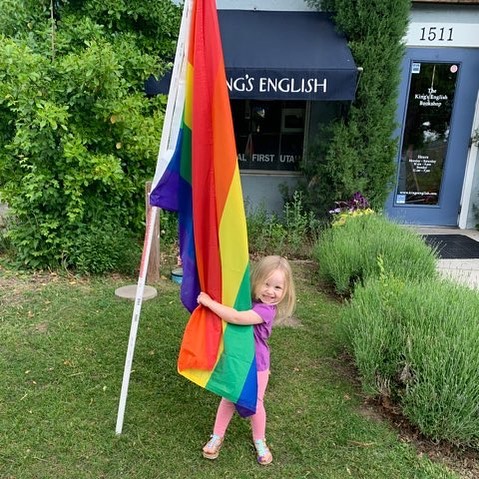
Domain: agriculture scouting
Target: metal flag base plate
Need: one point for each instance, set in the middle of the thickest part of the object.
(129, 292)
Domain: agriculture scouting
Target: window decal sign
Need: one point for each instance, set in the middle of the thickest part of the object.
(426, 133)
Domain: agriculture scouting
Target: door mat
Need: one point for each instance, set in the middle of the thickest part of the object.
(453, 246)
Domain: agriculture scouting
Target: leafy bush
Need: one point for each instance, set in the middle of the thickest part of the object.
(103, 248)
(291, 234)
(349, 254)
(418, 343)
(78, 135)
(265, 231)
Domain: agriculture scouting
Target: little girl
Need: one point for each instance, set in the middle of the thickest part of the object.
(273, 294)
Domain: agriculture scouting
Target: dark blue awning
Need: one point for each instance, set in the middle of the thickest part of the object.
(282, 56)
(286, 55)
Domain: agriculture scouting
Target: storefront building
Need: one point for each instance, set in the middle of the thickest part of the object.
(437, 179)
(289, 72)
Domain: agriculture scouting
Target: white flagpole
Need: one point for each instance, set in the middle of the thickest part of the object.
(166, 136)
(150, 222)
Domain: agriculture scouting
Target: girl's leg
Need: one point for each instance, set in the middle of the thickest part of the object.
(225, 412)
(258, 420)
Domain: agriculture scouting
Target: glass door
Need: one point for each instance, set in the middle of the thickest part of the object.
(437, 109)
(426, 133)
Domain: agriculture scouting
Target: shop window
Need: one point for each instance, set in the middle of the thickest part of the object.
(269, 134)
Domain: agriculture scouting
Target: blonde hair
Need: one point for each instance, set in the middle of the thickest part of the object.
(263, 270)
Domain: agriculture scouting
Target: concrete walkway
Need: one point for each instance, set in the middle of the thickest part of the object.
(465, 271)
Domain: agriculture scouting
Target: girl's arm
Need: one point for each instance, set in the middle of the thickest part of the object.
(230, 315)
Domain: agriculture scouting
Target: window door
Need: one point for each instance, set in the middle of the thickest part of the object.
(436, 110)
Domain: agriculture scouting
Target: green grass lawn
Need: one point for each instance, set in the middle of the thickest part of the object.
(62, 352)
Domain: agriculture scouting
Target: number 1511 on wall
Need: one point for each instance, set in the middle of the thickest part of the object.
(441, 34)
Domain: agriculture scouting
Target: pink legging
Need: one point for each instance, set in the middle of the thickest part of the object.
(226, 409)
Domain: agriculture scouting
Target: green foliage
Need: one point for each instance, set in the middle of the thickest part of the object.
(348, 254)
(265, 231)
(79, 136)
(418, 343)
(291, 234)
(168, 227)
(361, 153)
(153, 24)
(23, 17)
(103, 248)
(301, 226)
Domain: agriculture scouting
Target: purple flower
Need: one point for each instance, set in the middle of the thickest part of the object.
(356, 202)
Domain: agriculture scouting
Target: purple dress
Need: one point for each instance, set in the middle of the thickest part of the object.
(262, 332)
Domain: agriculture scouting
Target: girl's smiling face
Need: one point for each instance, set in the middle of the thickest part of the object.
(272, 290)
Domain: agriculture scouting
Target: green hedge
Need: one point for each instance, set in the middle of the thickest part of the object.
(78, 136)
(365, 246)
(418, 343)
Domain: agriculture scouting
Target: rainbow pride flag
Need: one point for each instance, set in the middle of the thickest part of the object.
(199, 178)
